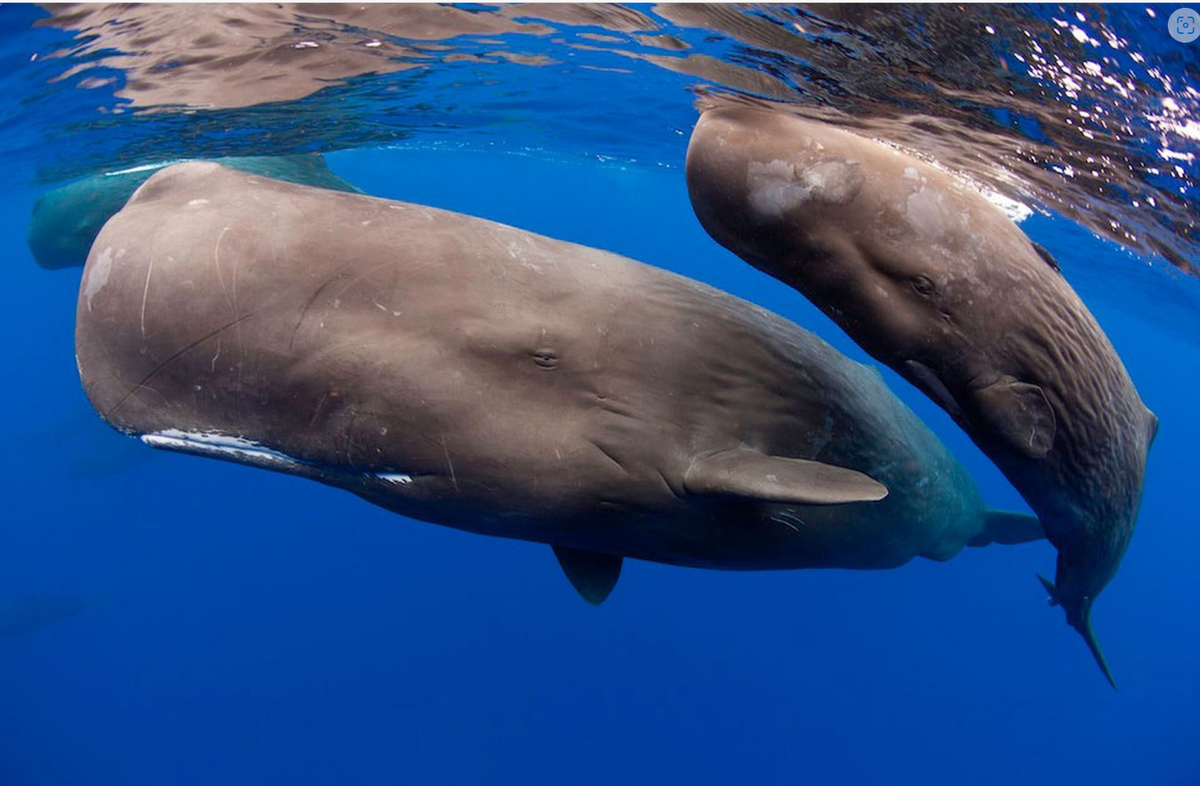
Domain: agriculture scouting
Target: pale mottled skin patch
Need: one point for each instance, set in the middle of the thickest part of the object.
(99, 273)
(777, 187)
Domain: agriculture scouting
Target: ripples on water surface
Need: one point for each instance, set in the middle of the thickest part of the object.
(1088, 111)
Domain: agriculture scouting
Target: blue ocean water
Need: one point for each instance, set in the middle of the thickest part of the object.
(241, 627)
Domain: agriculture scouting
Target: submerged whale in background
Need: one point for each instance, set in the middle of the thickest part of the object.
(34, 612)
(470, 374)
(932, 279)
(65, 221)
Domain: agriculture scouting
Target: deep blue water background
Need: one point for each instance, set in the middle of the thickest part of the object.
(249, 628)
(246, 628)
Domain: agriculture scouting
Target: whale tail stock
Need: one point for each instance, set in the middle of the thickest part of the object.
(1008, 528)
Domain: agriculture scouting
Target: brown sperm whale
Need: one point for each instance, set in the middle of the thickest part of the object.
(470, 374)
(935, 281)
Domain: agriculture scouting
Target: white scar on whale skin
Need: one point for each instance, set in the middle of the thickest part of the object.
(146, 295)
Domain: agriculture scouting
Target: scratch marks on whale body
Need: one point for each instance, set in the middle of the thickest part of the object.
(450, 464)
(146, 294)
(158, 369)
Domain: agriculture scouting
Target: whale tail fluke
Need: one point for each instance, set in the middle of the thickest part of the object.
(1089, 637)
(1084, 627)
(1007, 528)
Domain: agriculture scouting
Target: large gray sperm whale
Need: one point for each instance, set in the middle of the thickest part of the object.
(935, 281)
(470, 374)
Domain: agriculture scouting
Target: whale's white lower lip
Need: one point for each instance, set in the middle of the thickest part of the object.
(211, 444)
(222, 446)
(393, 477)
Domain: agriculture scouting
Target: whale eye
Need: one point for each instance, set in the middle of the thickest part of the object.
(922, 285)
(545, 358)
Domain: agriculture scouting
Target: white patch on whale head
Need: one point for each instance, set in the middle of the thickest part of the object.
(197, 202)
(97, 275)
(773, 188)
(924, 211)
(778, 187)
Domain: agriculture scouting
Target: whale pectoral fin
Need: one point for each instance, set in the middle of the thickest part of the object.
(593, 575)
(1020, 414)
(1004, 527)
(754, 475)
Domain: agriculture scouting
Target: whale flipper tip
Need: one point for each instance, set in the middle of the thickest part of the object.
(753, 475)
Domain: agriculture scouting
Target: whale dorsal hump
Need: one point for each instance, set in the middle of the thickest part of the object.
(1020, 414)
(593, 575)
(754, 475)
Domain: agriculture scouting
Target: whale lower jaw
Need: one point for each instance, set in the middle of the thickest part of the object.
(211, 444)
(224, 447)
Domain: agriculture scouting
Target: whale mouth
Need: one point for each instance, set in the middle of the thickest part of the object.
(398, 478)
(213, 444)
(223, 446)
